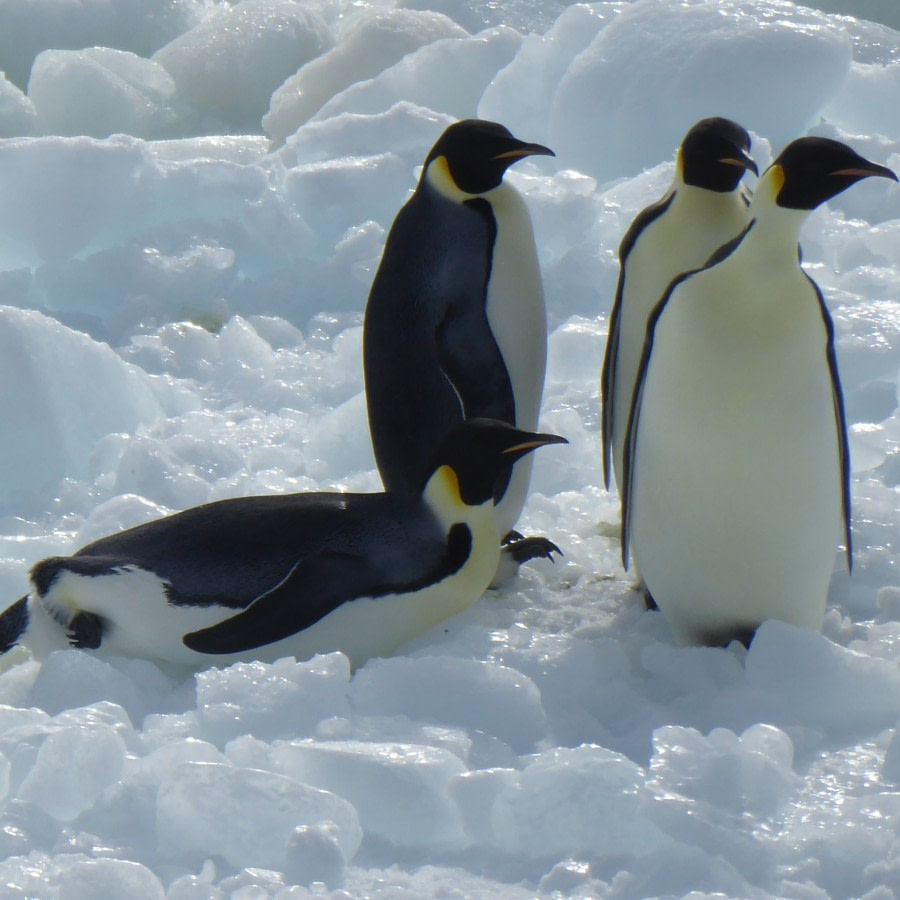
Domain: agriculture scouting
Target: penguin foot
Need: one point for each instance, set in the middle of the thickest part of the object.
(518, 551)
(511, 537)
(649, 602)
(85, 631)
(523, 549)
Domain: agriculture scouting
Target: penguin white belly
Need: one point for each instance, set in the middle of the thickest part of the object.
(518, 319)
(368, 627)
(139, 621)
(694, 226)
(737, 483)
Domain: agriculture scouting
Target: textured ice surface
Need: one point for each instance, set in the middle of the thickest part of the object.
(181, 322)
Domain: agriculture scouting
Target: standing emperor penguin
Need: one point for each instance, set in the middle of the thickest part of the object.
(283, 575)
(701, 211)
(455, 324)
(736, 466)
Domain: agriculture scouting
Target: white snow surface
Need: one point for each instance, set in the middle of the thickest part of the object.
(182, 296)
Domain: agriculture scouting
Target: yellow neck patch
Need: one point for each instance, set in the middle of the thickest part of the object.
(443, 489)
(439, 177)
(770, 184)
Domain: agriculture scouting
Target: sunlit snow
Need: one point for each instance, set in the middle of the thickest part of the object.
(193, 201)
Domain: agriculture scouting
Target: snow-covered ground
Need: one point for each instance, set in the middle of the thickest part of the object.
(182, 295)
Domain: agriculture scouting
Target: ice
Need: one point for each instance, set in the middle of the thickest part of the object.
(401, 791)
(228, 65)
(130, 93)
(71, 389)
(88, 879)
(820, 683)
(522, 93)
(450, 75)
(273, 701)
(552, 808)
(247, 816)
(878, 83)
(465, 693)
(182, 323)
(98, 753)
(27, 29)
(370, 42)
(17, 115)
(643, 119)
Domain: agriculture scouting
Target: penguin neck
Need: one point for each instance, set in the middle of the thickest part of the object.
(775, 235)
(689, 196)
(437, 176)
(775, 231)
(442, 497)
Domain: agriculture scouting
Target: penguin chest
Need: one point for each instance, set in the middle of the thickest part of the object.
(737, 481)
(515, 303)
(695, 225)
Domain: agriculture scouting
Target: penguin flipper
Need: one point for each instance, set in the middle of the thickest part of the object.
(467, 350)
(610, 358)
(608, 379)
(840, 421)
(316, 586)
(13, 623)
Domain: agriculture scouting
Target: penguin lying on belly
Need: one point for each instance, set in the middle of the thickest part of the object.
(455, 324)
(736, 461)
(297, 574)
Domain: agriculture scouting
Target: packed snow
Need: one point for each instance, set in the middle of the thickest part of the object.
(193, 200)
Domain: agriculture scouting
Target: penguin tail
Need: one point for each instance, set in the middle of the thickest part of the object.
(13, 624)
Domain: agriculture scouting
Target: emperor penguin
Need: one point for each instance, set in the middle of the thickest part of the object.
(701, 210)
(736, 462)
(455, 324)
(258, 578)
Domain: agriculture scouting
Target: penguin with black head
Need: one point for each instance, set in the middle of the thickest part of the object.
(702, 209)
(455, 324)
(284, 575)
(736, 461)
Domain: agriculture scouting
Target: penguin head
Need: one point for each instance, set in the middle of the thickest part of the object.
(478, 451)
(477, 153)
(811, 170)
(715, 154)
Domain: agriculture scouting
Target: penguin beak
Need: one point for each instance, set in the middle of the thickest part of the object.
(867, 171)
(536, 440)
(742, 161)
(525, 150)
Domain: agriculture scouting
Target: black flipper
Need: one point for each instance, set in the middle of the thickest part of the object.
(469, 355)
(840, 422)
(13, 622)
(315, 587)
(416, 353)
(607, 373)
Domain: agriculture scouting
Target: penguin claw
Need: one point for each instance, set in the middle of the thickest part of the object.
(511, 537)
(85, 631)
(524, 549)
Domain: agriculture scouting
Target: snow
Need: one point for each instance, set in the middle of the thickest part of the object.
(180, 321)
